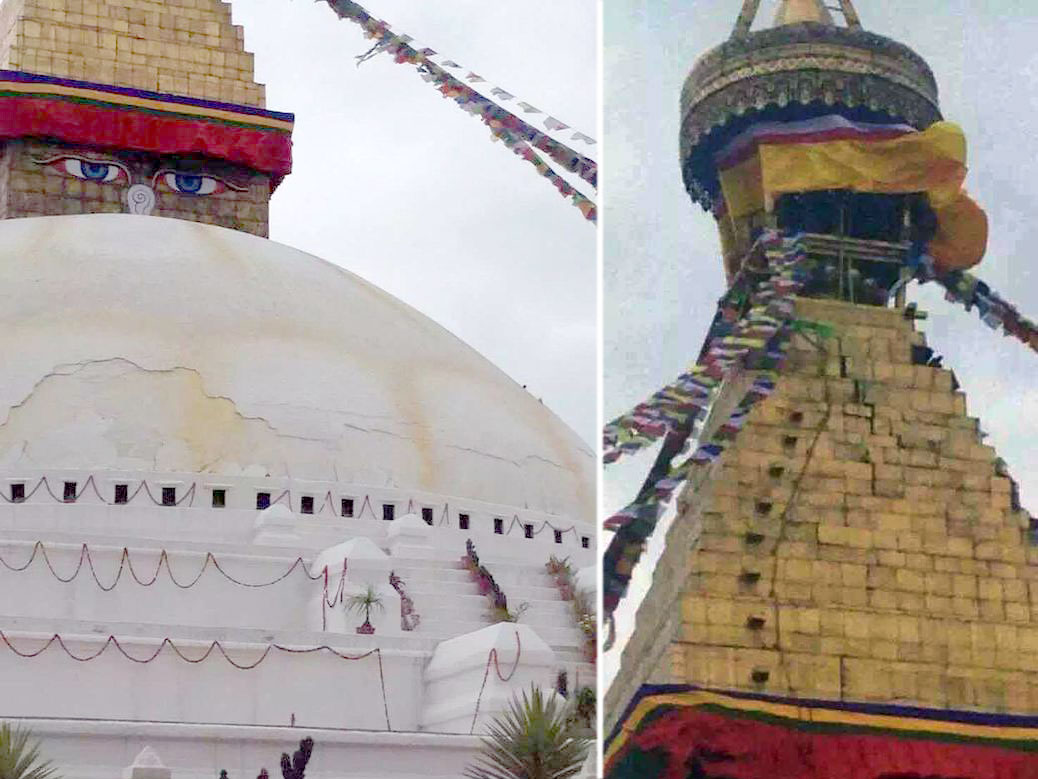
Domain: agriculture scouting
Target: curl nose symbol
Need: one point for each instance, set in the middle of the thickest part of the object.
(140, 199)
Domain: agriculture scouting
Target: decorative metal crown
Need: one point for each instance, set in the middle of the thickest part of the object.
(796, 71)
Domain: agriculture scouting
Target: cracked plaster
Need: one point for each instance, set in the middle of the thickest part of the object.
(143, 342)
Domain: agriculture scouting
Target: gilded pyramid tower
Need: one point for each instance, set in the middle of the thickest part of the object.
(181, 47)
(847, 587)
(858, 541)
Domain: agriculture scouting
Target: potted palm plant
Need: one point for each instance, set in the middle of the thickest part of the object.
(20, 758)
(535, 738)
(365, 602)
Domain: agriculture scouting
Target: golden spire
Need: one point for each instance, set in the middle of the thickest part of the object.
(794, 11)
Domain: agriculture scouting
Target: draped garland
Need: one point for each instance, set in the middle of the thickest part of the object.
(518, 135)
(494, 661)
(39, 551)
(770, 318)
(143, 488)
(56, 640)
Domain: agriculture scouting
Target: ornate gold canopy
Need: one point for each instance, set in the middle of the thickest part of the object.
(803, 66)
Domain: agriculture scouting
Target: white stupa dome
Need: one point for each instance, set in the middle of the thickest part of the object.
(144, 343)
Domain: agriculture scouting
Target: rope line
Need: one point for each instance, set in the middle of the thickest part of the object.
(284, 497)
(126, 564)
(493, 658)
(112, 641)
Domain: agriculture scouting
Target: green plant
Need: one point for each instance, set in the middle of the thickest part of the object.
(500, 614)
(533, 739)
(20, 758)
(365, 603)
(583, 709)
(556, 566)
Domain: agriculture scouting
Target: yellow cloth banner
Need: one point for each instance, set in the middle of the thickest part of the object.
(932, 161)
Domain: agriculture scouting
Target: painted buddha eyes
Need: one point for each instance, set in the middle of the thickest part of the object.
(91, 170)
(110, 172)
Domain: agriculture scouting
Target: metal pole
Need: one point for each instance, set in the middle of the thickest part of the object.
(850, 15)
(746, 17)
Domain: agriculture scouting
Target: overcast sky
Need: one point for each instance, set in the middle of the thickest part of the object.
(662, 268)
(400, 186)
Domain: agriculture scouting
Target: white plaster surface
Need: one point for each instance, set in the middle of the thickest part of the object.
(586, 580)
(462, 664)
(143, 342)
(161, 353)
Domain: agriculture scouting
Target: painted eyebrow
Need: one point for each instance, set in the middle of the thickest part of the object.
(225, 182)
(82, 157)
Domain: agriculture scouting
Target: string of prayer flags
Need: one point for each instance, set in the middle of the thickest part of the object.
(522, 149)
(493, 115)
(968, 291)
(387, 41)
(635, 523)
(730, 341)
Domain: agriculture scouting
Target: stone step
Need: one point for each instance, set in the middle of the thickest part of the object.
(556, 638)
(478, 608)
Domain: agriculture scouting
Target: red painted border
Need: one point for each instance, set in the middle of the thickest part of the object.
(743, 748)
(268, 151)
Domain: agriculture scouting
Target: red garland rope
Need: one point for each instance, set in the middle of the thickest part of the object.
(215, 645)
(126, 563)
(336, 598)
(285, 495)
(492, 658)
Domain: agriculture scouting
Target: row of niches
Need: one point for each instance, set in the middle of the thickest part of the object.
(330, 503)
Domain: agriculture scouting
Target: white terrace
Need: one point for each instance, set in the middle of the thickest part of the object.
(267, 585)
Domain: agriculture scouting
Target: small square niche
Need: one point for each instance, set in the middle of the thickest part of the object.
(18, 492)
(122, 494)
(262, 500)
(219, 499)
(427, 515)
(346, 506)
(169, 496)
(306, 504)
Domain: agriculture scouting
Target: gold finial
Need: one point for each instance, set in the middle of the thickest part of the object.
(794, 11)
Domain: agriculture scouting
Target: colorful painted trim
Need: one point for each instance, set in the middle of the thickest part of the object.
(667, 730)
(831, 127)
(122, 118)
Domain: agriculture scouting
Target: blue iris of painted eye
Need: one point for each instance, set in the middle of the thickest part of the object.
(95, 171)
(189, 185)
